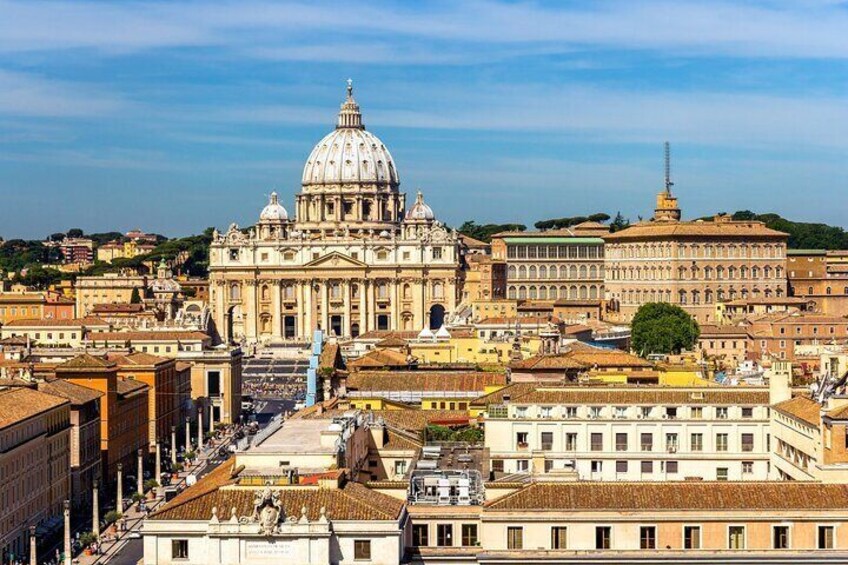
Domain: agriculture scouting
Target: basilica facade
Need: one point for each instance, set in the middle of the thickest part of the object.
(351, 260)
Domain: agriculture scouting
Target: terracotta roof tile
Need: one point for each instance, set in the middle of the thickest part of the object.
(423, 381)
(87, 361)
(399, 442)
(71, 322)
(149, 336)
(129, 386)
(117, 308)
(802, 408)
(78, 395)
(689, 495)
(21, 403)
(697, 229)
(138, 359)
(352, 502)
(379, 358)
(514, 390)
(648, 395)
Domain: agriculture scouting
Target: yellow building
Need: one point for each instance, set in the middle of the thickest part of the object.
(21, 306)
(34, 464)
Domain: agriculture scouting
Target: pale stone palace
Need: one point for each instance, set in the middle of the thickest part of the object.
(353, 259)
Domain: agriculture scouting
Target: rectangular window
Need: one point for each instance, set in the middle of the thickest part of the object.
(721, 442)
(514, 538)
(559, 537)
(597, 466)
(571, 441)
(603, 537)
(570, 412)
(721, 474)
(747, 442)
(647, 467)
(825, 537)
(179, 549)
(691, 537)
(671, 412)
(736, 537)
(671, 442)
(521, 439)
(547, 441)
(647, 537)
(469, 535)
(697, 412)
(780, 537)
(671, 467)
(420, 535)
(747, 412)
(696, 442)
(597, 442)
(362, 549)
(647, 442)
(621, 466)
(721, 412)
(645, 411)
(620, 442)
(444, 535)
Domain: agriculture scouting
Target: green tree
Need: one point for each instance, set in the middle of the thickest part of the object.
(619, 223)
(486, 231)
(75, 232)
(659, 327)
(135, 297)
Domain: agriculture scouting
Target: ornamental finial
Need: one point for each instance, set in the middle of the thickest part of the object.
(350, 88)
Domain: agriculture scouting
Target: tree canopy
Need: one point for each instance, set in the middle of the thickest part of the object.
(659, 327)
(485, 232)
(559, 223)
(802, 235)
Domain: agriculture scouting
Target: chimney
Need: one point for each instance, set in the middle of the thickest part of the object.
(780, 381)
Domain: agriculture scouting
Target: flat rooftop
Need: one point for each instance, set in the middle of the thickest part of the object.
(296, 436)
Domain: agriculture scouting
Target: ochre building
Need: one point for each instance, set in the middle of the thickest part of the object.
(353, 258)
(693, 264)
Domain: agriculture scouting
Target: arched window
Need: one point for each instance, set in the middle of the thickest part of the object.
(572, 292)
(235, 292)
(264, 293)
(572, 272)
(511, 293)
(532, 272)
(584, 292)
(543, 272)
(522, 272)
(533, 292)
(583, 272)
(438, 290)
(407, 291)
(511, 272)
(543, 292)
(682, 297)
(593, 292)
(522, 292)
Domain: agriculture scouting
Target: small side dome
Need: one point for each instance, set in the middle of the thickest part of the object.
(420, 210)
(274, 211)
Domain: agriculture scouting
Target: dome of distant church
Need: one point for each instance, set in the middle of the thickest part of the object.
(274, 211)
(420, 210)
(350, 154)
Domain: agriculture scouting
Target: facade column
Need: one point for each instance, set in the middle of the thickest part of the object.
(140, 479)
(173, 445)
(67, 511)
(417, 305)
(393, 296)
(95, 510)
(252, 314)
(120, 500)
(158, 465)
(188, 434)
(199, 429)
(325, 307)
(308, 324)
(363, 307)
(33, 557)
(372, 306)
(211, 417)
(221, 313)
(347, 299)
(276, 311)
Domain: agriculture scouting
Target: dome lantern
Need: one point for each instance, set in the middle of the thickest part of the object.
(349, 115)
(274, 211)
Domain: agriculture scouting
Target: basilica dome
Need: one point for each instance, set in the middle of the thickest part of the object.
(274, 211)
(350, 154)
(420, 210)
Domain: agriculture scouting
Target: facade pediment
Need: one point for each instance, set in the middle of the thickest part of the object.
(335, 260)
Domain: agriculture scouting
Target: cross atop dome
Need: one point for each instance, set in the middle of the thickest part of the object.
(349, 116)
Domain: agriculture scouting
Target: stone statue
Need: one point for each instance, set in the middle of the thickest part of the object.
(267, 510)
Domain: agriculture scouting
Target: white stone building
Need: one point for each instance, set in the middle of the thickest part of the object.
(353, 259)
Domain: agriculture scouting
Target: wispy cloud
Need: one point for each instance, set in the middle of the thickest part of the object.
(25, 94)
(342, 31)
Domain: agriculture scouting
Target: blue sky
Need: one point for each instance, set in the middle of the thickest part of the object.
(175, 116)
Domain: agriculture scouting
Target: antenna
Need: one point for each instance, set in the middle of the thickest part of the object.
(668, 183)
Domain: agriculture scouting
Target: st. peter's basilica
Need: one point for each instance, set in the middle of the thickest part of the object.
(353, 259)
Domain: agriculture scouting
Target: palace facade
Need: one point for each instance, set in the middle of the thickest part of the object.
(352, 260)
(693, 264)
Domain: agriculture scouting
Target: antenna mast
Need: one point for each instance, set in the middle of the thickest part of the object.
(668, 183)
